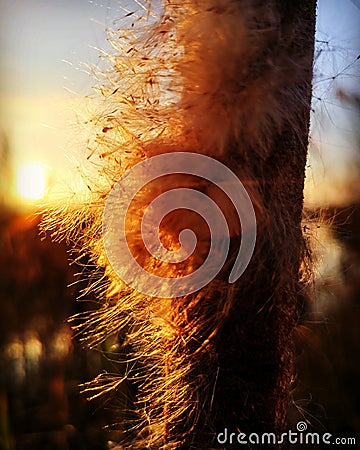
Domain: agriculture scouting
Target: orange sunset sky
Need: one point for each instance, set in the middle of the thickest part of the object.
(46, 47)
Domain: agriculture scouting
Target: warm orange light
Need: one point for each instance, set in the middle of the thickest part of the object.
(31, 181)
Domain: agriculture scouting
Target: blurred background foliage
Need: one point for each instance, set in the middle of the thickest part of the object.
(41, 365)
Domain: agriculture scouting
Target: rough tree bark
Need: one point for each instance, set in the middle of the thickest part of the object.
(237, 81)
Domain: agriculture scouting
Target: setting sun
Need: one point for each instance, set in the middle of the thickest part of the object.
(31, 181)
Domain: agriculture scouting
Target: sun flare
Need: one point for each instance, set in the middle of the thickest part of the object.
(31, 181)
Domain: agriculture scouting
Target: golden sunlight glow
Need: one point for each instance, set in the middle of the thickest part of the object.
(31, 181)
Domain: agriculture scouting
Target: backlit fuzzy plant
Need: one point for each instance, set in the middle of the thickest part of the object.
(230, 79)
